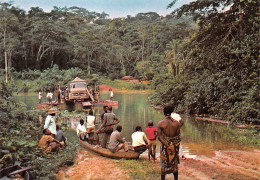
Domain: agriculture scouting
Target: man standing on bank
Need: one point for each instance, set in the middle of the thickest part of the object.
(169, 136)
(110, 119)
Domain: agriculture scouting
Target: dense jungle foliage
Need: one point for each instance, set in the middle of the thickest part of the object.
(20, 132)
(218, 68)
(76, 38)
(212, 68)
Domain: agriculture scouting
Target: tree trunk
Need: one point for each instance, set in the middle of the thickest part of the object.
(52, 55)
(6, 66)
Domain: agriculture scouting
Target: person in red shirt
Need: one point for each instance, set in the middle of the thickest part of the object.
(152, 135)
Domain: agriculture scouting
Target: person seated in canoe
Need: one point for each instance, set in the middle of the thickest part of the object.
(48, 143)
(139, 140)
(110, 119)
(116, 141)
(81, 130)
(60, 135)
(152, 135)
(90, 121)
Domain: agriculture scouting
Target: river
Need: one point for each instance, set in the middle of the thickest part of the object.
(199, 138)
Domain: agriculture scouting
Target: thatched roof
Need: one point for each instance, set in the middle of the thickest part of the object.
(78, 80)
(127, 78)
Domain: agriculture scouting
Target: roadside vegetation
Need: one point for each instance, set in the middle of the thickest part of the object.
(205, 62)
(203, 58)
(20, 132)
(217, 69)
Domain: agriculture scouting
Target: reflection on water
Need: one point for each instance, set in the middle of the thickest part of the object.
(199, 138)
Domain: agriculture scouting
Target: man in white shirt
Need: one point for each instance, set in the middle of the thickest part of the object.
(49, 96)
(50, 122)
(90, 120)
(139, 140)
(111, 94)
(81, 130)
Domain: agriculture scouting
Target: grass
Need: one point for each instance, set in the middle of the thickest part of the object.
(141, 169)
(250, 136)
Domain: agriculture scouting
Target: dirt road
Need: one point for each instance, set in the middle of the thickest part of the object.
(224, 165)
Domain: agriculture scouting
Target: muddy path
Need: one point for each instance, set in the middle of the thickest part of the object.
(92, 166)
(224, 165)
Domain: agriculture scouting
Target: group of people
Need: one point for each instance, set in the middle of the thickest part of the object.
(86, 132)
(167, 131)
(49, 96)
(53, 137)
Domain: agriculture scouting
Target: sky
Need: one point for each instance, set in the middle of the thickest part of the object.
(115, 8)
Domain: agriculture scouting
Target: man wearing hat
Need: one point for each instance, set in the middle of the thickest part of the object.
(50, 122)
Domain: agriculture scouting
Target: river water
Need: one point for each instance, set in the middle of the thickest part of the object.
(199, 138)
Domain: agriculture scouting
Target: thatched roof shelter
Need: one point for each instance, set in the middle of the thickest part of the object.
(78, 80)
(127, 78)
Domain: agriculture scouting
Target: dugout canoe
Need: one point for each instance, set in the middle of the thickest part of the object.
(107, 153)
(12, 171)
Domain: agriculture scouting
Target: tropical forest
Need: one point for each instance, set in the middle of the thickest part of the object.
(203, 58)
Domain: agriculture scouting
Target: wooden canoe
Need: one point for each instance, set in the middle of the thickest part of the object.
(107, 153)
(16, 169)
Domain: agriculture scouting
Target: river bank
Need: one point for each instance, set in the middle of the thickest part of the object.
(224, 165)
(205, 145)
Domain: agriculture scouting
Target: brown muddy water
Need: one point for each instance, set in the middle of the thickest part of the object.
(199, 138)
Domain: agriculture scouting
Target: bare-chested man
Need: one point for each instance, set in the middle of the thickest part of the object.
(169, 135)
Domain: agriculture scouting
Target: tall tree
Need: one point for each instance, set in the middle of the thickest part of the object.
(8, 22)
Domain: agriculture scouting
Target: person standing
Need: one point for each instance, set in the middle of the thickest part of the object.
(59, 95)
(67, 93)
(105, 108)
(139, 140)
(169, 136)
(116, 141)
(90, 120)
(49, 96)
(110, 119)
(152, 135)
(50, 122)
(40, 97)
(111, 94)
